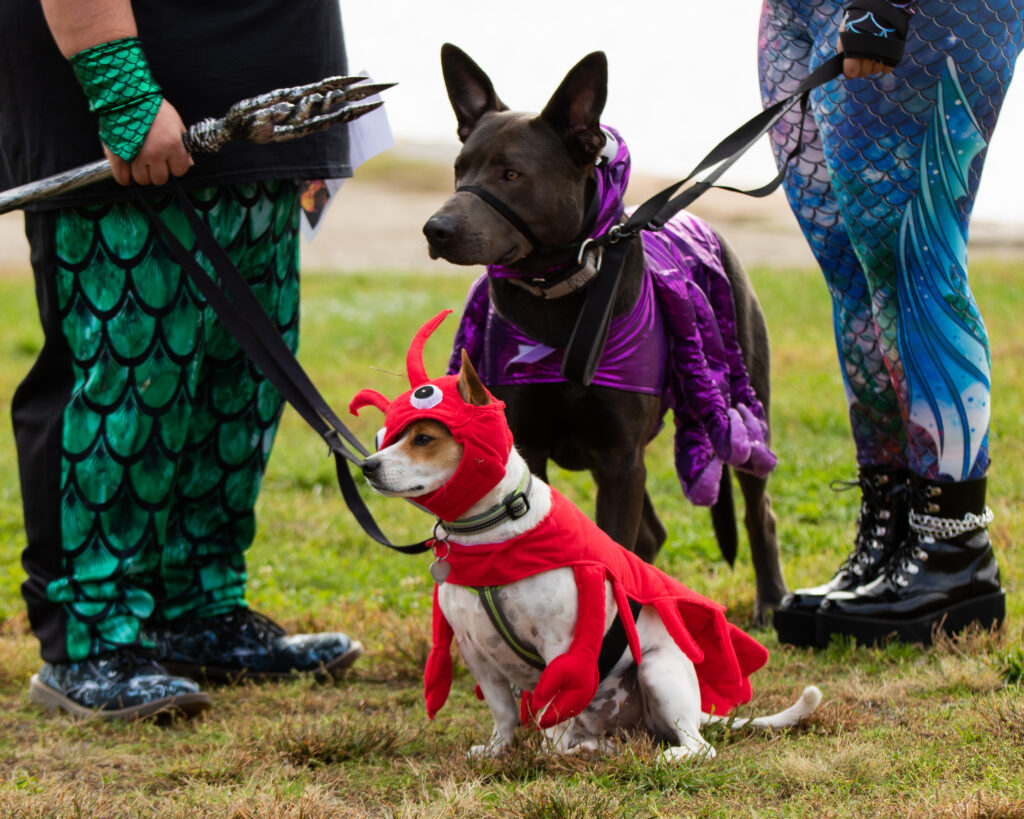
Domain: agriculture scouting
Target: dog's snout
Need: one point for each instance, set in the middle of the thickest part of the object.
(440, 229)
(369, 466)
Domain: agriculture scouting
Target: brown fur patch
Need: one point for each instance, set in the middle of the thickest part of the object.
(429, 441)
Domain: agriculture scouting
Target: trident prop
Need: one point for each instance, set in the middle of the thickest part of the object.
(276, 116)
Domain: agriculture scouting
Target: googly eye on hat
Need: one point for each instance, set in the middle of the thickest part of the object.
(426, 397)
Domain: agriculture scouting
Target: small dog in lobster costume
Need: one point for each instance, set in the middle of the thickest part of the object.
(544, 605)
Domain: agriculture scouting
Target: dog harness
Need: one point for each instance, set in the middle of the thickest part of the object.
(679, 341)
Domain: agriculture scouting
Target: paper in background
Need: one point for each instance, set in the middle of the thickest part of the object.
(367, 136)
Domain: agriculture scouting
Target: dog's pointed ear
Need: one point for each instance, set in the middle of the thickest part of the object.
(469, 89)
(575, 108)
(471, 388)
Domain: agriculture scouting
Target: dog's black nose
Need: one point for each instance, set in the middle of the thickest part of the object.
(370, 465)
(440, 229)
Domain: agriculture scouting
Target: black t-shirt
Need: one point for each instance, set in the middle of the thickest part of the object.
(205, 54)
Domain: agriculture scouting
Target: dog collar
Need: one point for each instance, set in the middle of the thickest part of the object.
(511, 508)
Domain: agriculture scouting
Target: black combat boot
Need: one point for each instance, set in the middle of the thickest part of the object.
(944, 577)
(881, 528)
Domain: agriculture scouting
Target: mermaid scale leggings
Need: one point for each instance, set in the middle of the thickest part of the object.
(143, 431)
(883, 192)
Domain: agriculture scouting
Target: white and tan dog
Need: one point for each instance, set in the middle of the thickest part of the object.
(660, 695)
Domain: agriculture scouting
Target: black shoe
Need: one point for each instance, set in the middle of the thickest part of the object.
(881, 528)
(945, 577)
(243, 643)
(124, 684)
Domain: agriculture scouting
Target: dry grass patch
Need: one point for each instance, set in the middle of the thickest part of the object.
(979, 806)
(853, 762)
(321, 742)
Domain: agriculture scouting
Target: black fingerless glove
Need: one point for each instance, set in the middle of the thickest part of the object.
(875, 30)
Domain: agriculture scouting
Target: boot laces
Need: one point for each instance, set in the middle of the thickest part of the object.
(905, 562)
(874, 518)
(125, 661)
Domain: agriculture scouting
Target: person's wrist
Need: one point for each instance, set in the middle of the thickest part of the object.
(121, 91)
(875, 30)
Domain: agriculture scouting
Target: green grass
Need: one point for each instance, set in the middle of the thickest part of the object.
(902, 731)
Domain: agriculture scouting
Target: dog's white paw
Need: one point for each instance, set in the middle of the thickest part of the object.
(486, 751)
(693, 750)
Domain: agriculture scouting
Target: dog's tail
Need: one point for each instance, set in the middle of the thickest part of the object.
(800, 710)
(723, 518)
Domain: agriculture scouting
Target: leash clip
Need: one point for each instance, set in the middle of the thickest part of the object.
(333, 439)
(616, 234)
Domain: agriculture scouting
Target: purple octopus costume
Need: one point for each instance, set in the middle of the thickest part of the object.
(678, 341)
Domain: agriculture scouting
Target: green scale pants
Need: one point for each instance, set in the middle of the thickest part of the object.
(142, 430)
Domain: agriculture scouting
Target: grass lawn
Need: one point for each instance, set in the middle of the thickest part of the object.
(902, 732)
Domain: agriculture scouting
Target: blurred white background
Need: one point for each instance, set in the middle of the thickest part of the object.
(682, 75)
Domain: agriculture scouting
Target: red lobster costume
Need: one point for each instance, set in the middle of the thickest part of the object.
(723, 655)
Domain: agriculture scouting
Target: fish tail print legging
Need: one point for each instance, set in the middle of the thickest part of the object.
(883, 191)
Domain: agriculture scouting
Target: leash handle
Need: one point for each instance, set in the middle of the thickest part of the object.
(247, 321)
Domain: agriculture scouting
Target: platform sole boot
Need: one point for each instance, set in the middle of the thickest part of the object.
(881, 528)
(944, 578)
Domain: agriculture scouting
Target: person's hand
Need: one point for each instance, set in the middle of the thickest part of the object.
(860, 67)
(854, 67)
(163, 154)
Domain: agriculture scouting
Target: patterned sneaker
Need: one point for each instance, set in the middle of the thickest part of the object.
(244, 643)
(124, 684)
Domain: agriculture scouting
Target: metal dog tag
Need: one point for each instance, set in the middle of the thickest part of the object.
(439, 570)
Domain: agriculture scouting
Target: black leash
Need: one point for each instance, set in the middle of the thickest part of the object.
(244, 317)
(586, 344)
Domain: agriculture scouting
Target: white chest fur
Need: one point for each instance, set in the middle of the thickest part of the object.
(541, 611)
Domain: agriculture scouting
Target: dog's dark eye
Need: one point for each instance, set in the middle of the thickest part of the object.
(422, 439)
(510, 175)
(426, 397)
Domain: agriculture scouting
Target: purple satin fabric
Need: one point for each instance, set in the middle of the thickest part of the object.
(679, 341)
(635, 357)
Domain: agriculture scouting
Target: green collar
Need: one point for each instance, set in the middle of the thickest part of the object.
(514, 506)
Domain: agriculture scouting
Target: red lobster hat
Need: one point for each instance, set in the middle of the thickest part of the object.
(482, 430)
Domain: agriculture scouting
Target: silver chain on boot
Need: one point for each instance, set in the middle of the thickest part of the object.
(938, 528)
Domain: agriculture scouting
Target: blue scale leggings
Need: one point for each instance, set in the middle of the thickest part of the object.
(883, 192)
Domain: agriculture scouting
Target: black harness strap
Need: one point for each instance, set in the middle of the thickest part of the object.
(507, 213)
(614, 643)
(249, 324)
